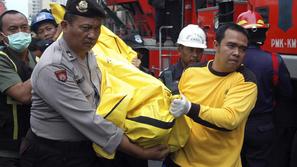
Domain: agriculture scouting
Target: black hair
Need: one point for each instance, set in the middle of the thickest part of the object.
(220, 33)
(8, 12)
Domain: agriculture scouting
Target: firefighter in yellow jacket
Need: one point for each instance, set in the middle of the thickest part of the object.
(221, 94)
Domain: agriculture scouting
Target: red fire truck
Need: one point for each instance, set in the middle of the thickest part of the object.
(208, 14)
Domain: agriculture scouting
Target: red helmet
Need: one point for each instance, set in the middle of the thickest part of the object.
(251, 20)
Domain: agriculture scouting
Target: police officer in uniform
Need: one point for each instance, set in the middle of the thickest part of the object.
(191, 42)
(16, 66)
(66, 93)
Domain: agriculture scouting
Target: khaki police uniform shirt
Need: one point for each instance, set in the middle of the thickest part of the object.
(64, 99)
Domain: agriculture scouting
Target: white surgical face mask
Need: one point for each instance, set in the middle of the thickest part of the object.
(19, 41)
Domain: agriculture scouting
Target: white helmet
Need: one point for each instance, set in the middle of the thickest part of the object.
(192, 36)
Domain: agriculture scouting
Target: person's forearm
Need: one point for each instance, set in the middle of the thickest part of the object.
(21, 92)
(26, 92)
(158, 152)
(130, 148)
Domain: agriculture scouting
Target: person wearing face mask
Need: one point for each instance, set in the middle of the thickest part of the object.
(16, 66)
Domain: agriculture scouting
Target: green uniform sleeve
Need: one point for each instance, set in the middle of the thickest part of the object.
(8, 74)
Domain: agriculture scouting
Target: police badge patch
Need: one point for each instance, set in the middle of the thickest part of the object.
(61, 75)
(82, 6)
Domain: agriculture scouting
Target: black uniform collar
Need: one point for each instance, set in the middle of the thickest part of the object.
(221, 74)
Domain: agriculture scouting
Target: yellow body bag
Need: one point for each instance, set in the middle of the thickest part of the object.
(134, 101)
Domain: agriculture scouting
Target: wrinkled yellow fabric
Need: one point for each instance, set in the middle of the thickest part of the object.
(134, 94)
(57, 11)
(107, 39)
(127, 93)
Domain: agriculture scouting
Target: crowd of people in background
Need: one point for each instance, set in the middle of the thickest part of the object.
(240, 105)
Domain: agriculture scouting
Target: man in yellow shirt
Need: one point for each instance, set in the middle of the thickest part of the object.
(221, 94)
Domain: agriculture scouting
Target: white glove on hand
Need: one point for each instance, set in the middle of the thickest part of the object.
(179, 107)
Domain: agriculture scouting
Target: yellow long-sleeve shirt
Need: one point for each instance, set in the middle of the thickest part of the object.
(223, 103)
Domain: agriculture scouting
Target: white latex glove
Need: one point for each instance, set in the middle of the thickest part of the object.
(179, 106)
